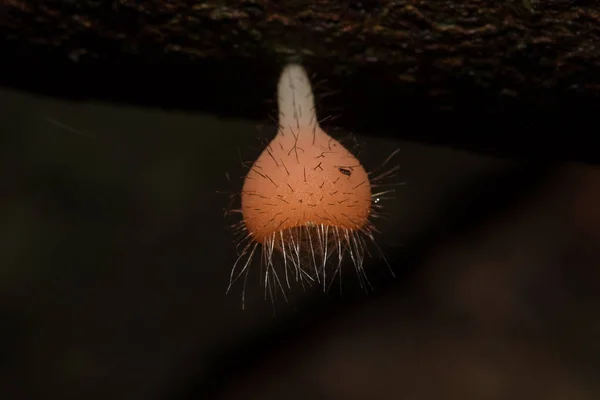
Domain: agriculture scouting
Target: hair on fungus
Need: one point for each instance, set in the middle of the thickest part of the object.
(307, 203)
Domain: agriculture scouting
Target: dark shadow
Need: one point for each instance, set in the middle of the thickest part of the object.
(542, 125)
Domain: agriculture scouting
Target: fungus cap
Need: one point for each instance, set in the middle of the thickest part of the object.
(303, 177)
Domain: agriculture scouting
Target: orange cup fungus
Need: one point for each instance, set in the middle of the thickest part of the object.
(306, 199)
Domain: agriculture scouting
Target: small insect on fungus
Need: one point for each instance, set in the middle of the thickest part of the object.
(307, 202)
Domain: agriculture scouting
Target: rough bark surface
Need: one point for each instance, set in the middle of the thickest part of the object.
(525, 72)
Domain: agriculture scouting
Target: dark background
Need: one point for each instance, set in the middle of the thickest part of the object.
(115, 260)
(123, 125)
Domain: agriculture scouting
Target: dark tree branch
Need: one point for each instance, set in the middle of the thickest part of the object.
(515, 77)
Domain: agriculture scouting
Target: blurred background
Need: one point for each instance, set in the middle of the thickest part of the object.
(115, 257)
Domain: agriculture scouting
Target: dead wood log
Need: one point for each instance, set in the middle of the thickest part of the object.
(513, 77)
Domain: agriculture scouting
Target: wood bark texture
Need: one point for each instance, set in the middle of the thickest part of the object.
(514, 77)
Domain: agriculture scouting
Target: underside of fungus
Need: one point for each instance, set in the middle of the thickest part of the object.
(306, 201)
